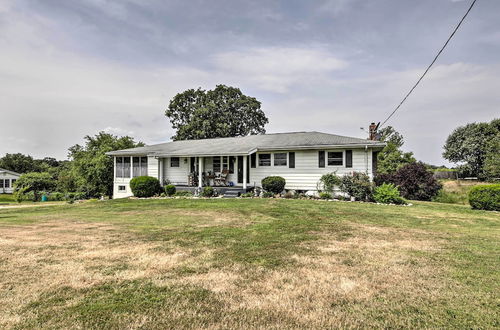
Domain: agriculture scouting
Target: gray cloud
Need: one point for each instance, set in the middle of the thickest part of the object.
(68, 69)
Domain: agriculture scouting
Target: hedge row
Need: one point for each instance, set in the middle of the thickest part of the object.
(485, 197)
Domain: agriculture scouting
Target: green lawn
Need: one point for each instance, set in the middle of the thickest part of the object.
(248, 263)
(6, 198)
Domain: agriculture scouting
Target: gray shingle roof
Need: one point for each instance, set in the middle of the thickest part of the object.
(247, 144)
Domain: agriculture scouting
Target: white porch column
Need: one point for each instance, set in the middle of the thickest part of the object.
(114, 169)
(200, 172)
(245, 172)
(160, 170)
(131, 167)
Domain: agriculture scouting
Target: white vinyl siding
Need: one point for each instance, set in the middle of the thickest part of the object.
(7, 181)
(307, 173)
(176, 175)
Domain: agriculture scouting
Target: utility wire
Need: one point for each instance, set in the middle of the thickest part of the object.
(429, 67)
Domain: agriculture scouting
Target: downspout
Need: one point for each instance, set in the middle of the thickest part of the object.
(366, 159)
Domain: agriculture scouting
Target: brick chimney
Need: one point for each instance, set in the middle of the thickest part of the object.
(373, 132)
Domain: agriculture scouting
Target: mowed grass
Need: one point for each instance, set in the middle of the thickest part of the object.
(248, 263)
(6, 198)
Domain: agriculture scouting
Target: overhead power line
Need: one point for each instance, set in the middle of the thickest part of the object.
(430, 65)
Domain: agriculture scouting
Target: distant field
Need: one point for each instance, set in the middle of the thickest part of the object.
(456, 192)
(248, 263)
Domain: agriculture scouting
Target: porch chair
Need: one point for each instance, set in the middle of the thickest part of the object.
(221, 180)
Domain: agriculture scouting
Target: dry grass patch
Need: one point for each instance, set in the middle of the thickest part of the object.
(45, 257)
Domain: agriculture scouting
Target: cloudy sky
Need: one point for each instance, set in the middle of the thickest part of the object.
(72, 68)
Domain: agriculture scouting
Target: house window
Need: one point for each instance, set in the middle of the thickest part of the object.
(123, 167)
(216, 164)
(122, 188)
(1, 183)
(140, 166)
(7, 183)
(264, 159)
(13, 181)
(335, 158)
(225, 163)
(280, 159)
(253, 160)
(175, 162)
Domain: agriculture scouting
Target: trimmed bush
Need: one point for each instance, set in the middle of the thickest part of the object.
(208, 191)
(183, 194)
(414, 181)
(267, 194)
(274, 184)
(325, 195)
(329, 181)
(387, 193)
(247, 195)
(170, 190)
(145, 186)
(485, 197)
(357, 185)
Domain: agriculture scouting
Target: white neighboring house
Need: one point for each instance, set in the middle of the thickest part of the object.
(7, 179)
(299, 157)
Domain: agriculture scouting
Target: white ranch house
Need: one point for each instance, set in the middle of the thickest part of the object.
(300, 157)
(7, 180)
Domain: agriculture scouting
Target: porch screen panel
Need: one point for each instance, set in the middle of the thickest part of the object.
(136, 166)
(253, 160)
(126, 167)
(144, 166)
(119, 167)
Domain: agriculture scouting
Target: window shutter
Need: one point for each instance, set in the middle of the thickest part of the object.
(253, 160)
(321, 158)
(348, 158)
(291, 159)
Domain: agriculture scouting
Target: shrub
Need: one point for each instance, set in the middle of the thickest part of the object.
(246, 195)
(208, 191)
(33, 183)
(170, 190)
(267, 194)
(325, 195)
(56, 196)
(274, 184)
(414, 181)
(145, 186)
(183, 194)
(387, 193)
(289, 194)
(485, 197)
(357, 185)
(329, 181)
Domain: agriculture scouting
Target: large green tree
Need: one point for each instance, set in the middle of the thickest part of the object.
(19, 163)
(392, 158)
(93, 170)
(222, 112)
(474, 147)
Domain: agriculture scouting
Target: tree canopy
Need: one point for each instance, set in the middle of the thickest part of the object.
(222, 112)
(90, 165)
(392, 158)
(475, 147)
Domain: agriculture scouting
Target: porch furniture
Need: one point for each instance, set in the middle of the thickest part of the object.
(221, 179)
